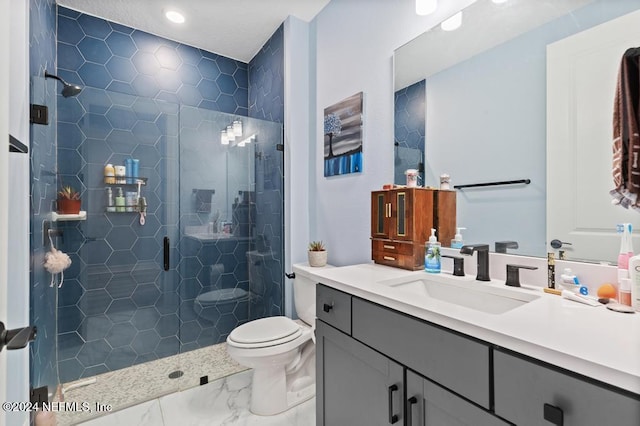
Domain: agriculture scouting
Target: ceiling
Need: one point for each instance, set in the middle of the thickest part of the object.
(233, 28)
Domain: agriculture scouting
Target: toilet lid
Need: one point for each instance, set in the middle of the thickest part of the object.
(222, 295)
(266, 330)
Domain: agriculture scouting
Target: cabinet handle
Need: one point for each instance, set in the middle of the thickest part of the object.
(388, 258)
(410, 402)
(327, 307)
(388, 247)
(393, 418)
(553, 414)
(388, 208)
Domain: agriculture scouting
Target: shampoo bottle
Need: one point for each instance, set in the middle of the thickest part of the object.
(120, 202)
(432, 254)
(634, 274)
(457, 239)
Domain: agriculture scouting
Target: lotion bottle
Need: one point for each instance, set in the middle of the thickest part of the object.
(457, 239)
(432, 254)
(634, 274)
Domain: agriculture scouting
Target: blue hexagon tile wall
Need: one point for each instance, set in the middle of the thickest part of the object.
(117, 307)
(105, 55)
(410, 118)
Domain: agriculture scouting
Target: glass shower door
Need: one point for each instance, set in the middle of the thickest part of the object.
(231, 227)
(119, 305)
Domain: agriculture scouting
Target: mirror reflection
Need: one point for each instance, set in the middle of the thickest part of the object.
(483, 90)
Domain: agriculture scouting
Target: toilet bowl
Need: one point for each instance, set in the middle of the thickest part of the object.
(281, 352)
(209, 305)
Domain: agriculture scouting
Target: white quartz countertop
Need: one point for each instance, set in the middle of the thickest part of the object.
(593, 341)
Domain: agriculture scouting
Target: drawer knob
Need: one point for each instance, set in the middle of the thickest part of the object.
(553, 414)
(326, 307)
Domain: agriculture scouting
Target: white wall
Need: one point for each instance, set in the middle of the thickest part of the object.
(296, 138)
(355, 40)
(18, 198)
(4, 185)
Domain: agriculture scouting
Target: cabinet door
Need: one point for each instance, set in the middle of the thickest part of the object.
(380, 214)
(355, 385)
(428, 404)
(527, 393)
(402, 214)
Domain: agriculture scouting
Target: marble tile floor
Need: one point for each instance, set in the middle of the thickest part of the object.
(141, 385)
(223, 402)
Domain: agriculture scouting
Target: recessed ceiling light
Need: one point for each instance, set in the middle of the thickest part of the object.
(174, 16)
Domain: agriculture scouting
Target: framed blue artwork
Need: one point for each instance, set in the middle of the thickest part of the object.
(343, 136)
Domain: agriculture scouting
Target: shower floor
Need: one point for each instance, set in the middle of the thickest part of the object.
(139, 383)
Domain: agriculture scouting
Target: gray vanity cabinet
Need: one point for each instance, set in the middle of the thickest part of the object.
(428, 404)
(356, 386)
(526, 393)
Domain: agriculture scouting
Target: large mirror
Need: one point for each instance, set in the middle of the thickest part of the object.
(479, 94)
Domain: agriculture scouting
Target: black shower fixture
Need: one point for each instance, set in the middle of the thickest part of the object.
(69, 89)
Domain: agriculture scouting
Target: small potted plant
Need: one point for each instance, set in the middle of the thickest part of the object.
(68, 200)
(317, 254)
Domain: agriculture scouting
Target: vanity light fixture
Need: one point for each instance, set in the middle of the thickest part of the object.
(426, 7)
(230, 133)
(174, 16)
(452, 23)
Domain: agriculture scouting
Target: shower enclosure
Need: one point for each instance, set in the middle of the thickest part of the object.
(209, 254)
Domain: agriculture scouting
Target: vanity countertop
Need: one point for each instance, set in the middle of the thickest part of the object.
(593, 341)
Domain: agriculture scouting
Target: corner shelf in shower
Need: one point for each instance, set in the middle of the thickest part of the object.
(58, 217)
(118, 180)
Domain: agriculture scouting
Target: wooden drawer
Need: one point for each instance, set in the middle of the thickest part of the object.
(398, 254)
(523, 388)
(451, 360)
(334, 307)
(391, 247)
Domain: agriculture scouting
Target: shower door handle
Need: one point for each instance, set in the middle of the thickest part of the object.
(166, 254)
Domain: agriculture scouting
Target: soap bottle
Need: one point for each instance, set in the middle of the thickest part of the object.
(457, 239)
(634, 274)
(110, 205)
(109, 174)
(432, 254)
(120, 201)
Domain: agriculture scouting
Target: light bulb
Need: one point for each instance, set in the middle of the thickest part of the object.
(230, 135)
(452, 23)
(237, 128)
(224, 140)
(426, 7)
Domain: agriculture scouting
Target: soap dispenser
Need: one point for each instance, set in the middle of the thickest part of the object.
(432, 254)
(120, 201)
(457, 239)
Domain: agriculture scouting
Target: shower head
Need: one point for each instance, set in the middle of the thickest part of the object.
(68, 89)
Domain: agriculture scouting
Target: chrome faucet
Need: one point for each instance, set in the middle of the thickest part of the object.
(483, 259)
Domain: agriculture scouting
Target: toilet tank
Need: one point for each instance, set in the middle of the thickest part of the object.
(304, 293)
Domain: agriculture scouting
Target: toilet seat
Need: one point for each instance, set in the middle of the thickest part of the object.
(265, 332)
(222, 295)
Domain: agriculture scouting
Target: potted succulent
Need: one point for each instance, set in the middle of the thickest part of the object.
(68, 200)
(317, 254)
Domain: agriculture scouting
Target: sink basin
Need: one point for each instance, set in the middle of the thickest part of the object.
(469, 294)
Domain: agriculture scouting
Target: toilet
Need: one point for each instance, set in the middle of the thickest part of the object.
(281, 352)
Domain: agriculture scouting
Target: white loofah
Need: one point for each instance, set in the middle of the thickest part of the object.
(55, 262)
